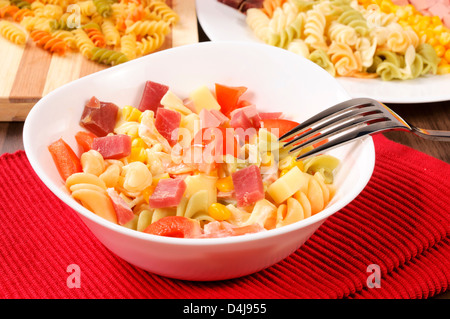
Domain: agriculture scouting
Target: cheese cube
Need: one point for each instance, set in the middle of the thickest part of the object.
(172, 102)
(288, 184)
(204, 99)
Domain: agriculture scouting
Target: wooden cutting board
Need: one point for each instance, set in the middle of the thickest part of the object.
(28, 73)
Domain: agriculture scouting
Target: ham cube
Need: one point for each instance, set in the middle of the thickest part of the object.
(167, 123)
(152, 95)
(123, 211)
(220, 116)
(168, 193)
(232, 3)
(243, 127)
(439, 9)
(113, 146)
(400, 2)
(250, 4)
(207, 119)
(422, 4)
(248, 185)
(99, 117)
(240, 120)
(250, 113)
(446, 21)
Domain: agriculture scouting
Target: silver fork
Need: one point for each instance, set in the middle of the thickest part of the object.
(347, 121)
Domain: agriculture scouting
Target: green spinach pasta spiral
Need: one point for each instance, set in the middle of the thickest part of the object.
(104, 7)
(106, 56)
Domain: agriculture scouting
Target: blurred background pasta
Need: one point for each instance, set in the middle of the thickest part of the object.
(105, 31)
(356, 38)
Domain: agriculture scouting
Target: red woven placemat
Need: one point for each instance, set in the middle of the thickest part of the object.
(399, 225)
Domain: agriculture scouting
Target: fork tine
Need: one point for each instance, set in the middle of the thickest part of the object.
(332, 111)
(361, 132)
(339, 129)
(334, 121)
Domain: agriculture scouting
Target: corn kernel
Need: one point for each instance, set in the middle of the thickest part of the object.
(447, 55)
(157, 178)
(299, 164)
(131, 114)
(435, 20)
(219, 211)
(225, 184)
(292, 162)
(440, 50)
(147, 192)
(401, 13)
(444, 69)
(138, 154)
(138, 142)
(444, 38)
(422, 25)
(432, 41)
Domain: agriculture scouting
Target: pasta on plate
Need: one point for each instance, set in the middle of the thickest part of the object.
(202, 166)
(350, 38)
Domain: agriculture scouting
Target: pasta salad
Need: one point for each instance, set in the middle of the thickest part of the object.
(203, 166)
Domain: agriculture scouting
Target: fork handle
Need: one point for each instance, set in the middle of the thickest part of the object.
(434, 135)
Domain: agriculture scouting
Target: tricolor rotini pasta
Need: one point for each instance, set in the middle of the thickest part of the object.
(125, 29)
(12, 32)
(345, 37)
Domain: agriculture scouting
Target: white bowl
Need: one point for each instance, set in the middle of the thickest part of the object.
(277, 79)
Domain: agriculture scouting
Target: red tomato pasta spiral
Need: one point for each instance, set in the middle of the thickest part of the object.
(48, 42)
(96, 37)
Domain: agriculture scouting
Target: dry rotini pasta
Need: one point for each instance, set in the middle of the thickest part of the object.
(149, 44)
(12, 32)
(48, 42)
(124, 29)
(128, 45)
(106, 56)
(83, 42)
(163, 11)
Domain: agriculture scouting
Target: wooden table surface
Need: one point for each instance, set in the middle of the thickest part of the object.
(428, 115)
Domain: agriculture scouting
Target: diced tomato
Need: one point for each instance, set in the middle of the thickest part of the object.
(278, 127)
(228, 97)
(175, 226)
(243, 103)
(285, 126)
(84, 140)
(66, 161)
(209, 139)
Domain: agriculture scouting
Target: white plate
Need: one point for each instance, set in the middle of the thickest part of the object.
(223, 23)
